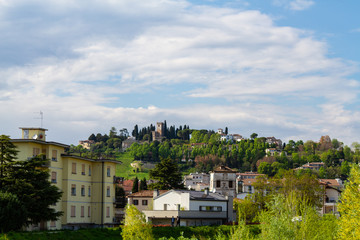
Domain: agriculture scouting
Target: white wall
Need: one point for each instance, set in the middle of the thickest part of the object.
(194, 205)
(172, 199)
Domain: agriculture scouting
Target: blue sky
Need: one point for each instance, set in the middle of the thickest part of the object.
(283, 68)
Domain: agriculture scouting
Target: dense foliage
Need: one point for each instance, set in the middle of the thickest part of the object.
(28, 181)
(167, 175)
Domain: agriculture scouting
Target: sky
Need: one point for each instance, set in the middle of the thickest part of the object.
(283, 68)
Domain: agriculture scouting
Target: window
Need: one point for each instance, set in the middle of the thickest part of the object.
(165, 207)
(108, 171)
(82, 211)
(73, 168)
(82, 169)
(136, 202)
(73, 211)
(230, 184)
(82, 190)
(89, 191)
(218, 182)
(210, 208)
(53, 177)
(36, 151)
(107, 212)
(108, 191)
(52, 224)
(89, 170)
(144, 202)
(250, 189)
(54, 155)
(73, 190)
(89, 211)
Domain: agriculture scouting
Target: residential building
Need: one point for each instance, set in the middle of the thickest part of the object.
(143, 200)
(87, 184)
(223, 181)
(197, 181)
(86, 143)
(312, 166)
(192, 207)
(127, 143)
(272, 151)
(273, 140)
(332, 192)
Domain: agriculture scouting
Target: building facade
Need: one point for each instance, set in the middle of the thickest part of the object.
(223, 181)
(191, 208)
(87, 184)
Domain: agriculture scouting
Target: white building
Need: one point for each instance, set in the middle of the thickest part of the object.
(223, 181)
(197, 181)
(194, 208)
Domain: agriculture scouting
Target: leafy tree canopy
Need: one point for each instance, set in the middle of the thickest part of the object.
(167, 175)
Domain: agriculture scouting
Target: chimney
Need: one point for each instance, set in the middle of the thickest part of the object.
(206, 191)
(155, 193)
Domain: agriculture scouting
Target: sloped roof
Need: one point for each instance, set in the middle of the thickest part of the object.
(147, 193)
(224, 169)
(330, 182)
(249, 181)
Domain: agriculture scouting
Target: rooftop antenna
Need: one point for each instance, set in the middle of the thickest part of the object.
(41, 117)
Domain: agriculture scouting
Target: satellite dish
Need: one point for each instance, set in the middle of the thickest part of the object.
(35, 136)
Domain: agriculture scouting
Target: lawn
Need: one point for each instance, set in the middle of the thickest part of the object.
(125, 170)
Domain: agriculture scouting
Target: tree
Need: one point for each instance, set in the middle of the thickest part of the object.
(265, 168)
(135, 187)
(226, 130)
(135, 226)
(349, 207)
(13, 214)
(292, 218)
(168, 175)
(92, 137)
(253, 135)
(112, 132)
(143, 184)
(8, 154)
(29, 180)
(120, 197)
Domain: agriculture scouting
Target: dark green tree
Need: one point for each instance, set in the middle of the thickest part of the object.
(120, 197)
(92, 137)
(226, 130)
(8, 154)
(253, 135)
(13, 214)
(143, 184)
(167, 175)
(135, 187)
(29, 180)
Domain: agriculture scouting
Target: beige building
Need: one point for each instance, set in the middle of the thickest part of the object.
(87, 184)
(143, 200)
(223, 181)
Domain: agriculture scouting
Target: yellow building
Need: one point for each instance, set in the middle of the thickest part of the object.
(88, 185)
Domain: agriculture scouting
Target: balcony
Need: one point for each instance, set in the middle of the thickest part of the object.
(186, 214)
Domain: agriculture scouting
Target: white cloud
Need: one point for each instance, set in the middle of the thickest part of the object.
(87, 56)
(297, 5)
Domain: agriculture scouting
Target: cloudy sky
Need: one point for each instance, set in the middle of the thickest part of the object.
(283, 68)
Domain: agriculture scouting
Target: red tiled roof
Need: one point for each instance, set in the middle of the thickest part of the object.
(147, 193)
(223, 169)
(127, 185)
(330, 182)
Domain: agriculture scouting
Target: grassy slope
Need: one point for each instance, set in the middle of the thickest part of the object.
(126, 171)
